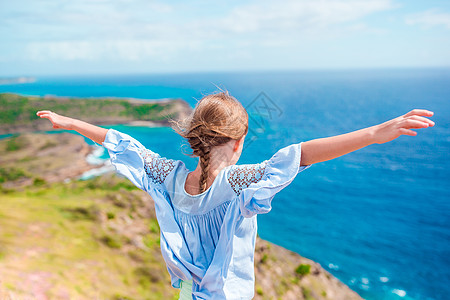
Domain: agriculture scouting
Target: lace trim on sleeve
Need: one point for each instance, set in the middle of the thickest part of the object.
(156, 167)
(241, 176)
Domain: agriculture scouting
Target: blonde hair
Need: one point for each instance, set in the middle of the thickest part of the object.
(216, 119)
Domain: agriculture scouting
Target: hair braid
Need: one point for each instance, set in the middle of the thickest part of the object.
(205, 156)
(216, 119)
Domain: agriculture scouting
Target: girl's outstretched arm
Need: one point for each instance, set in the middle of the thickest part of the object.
(95, 133)
(324, 149)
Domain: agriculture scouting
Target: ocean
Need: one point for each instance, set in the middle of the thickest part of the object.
(378, 218)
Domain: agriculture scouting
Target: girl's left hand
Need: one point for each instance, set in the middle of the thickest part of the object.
(58, 121)
(392, 129)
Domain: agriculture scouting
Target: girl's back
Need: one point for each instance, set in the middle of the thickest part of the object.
(209, 237)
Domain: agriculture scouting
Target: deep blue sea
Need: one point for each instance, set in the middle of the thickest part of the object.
(378, 218)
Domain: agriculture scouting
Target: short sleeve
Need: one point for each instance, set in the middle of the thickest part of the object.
(241, 176)
(132, 160)
(257, 184)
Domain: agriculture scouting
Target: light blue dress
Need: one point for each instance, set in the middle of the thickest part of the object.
(208, 238)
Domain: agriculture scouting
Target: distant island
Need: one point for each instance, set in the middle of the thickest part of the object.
(18, 112)
(17, 80)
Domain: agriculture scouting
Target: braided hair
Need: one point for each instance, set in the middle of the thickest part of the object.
(216, 119)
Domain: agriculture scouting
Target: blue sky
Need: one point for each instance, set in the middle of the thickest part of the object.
(142, 36)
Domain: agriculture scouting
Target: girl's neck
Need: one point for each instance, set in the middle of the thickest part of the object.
(217, 162)
(215, 166)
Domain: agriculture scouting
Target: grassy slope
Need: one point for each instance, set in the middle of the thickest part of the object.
(96, 239)
(81, 240)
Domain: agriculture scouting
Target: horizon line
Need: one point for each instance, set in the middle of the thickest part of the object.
(236, 71)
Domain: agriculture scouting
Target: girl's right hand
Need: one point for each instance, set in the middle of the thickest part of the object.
(392, 129)
(58, 121)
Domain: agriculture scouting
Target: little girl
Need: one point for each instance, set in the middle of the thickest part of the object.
(208, 216)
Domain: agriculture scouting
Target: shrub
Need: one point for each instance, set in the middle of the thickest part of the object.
(264, 258)
(11, 174)
(48, 144)
(15, 143)
(153, 226)
(120, 297)
(303, 269)
(82, 213)
(111, 241)
(148, 274)
(259, 290)
(38, 181)
(307, 293)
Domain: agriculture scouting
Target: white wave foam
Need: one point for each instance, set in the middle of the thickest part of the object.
(384, 279)
(365, 280)
(94, 157)
(401, 293)
(364, 286)
(97, 172)
(333, 266)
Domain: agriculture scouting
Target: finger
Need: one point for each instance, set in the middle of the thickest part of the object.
(45, 115)
(423, 119)
(419, 112)
(410, 123)
(43, 112)
(407, 132)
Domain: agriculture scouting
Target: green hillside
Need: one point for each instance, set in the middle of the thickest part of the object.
(82, 239)
(18, 113)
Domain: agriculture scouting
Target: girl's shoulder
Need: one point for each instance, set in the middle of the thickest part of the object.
(240, 177)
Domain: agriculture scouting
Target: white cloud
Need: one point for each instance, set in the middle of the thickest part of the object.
(300, 15)
(138, 30)
(430, 18)
(149, 19)
(124, 50)
(144, 32)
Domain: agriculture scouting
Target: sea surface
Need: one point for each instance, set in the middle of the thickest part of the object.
(378, 218)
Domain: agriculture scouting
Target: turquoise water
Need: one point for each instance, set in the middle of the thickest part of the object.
(378, 218)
